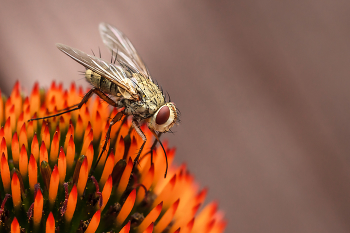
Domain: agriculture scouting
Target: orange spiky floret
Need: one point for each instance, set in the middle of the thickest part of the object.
(151, 217)
(12, 117)
(32, 172)
(125, 178)
(126, 228)
(146, 181)
(7, 130)
(107, 169)
(23, 139)
(54, 148)
(23, 162)
(106, 193)
(63, 192)
(3, 147)
(35, 148)
(15, 149)
(71, 204)
(126, 208)
(90, 155)
(15, 227)
(20, 122)
(50, 224)
(16, 191)
(62, 166)
(95, 221)
(44, 156)
(79, 128)
(149, 229)
(83, 176)
(70, 152)
(167, 217)
(5, 173)
(54, 181)
(38, 208)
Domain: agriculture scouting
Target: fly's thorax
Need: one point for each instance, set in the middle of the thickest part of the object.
(161, 116)
(149, 92)
(150, 98)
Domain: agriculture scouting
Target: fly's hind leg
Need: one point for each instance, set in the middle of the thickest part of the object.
(67, 108)
(86, 97)
(82, 102)
(115, 119)
(143, 136)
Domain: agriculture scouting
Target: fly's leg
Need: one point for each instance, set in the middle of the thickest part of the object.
(152, 148)
(166, 158)
(86, 97)
(65, 109)
(142, 135)
(115, 119)
(82, 102)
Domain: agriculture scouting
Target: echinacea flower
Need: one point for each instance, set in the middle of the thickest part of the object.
(45, 166)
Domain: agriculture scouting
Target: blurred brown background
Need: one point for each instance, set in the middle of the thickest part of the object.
(263, 87)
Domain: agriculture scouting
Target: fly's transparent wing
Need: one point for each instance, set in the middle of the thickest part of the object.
(117, 42)
(112, 72)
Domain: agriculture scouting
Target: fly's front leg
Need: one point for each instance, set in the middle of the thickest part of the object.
(166, 157)
(152, 147)
(115, 119)
(138, 130)
(143, 136)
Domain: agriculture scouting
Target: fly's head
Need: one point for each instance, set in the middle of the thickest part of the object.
(164, 118)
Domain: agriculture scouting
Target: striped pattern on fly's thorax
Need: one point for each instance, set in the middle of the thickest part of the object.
(102, 83)
(149, 91)
(151, 98)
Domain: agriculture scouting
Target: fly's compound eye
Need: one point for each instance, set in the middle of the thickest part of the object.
(162, 115)
(164, 118)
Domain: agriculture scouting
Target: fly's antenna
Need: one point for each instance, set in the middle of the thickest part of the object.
(99, 51)
(93, 53)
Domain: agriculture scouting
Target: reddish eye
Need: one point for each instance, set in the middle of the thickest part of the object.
(163, 115)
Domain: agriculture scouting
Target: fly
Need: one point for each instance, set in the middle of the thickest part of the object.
(126, 85)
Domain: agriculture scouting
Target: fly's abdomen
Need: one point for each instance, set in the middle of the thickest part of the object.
(102, 83)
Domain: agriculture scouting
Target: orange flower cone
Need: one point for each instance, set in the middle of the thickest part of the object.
(47, 184)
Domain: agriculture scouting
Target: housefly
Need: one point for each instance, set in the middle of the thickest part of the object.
(126, 84)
